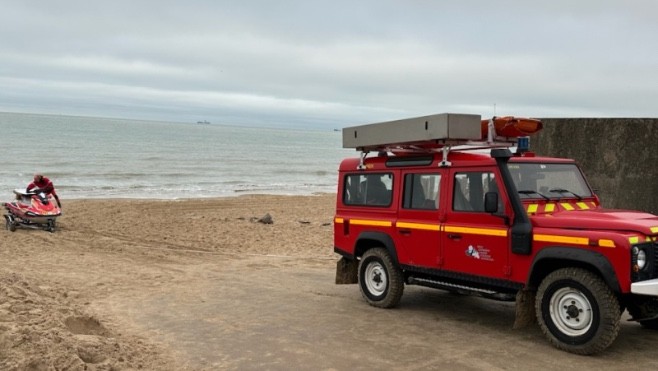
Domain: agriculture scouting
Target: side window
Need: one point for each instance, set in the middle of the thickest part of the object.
(421, 191)
(368, 189)
(470, 188)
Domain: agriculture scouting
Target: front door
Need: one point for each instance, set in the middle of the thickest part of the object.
(475, 242)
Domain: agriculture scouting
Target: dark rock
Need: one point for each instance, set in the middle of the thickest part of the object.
(266, 219)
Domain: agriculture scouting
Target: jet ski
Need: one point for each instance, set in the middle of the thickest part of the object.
(34, 209)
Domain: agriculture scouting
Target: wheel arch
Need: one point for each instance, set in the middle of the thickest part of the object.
(550, 259)
(370, 239)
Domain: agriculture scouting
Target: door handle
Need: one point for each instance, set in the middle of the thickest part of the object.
(405, 232)
(454, 236)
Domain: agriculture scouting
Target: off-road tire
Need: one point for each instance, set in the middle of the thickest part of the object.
(380, 280)
(577, 311)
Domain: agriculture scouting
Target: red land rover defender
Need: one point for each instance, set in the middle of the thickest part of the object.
(444, 202)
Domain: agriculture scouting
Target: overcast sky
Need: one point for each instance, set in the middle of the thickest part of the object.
(328, 64)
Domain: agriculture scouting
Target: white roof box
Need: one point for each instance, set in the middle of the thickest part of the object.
(440, 128)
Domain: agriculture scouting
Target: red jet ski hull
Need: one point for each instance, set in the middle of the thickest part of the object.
(33, 211)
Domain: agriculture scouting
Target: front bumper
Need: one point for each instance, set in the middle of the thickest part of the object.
(648, 287)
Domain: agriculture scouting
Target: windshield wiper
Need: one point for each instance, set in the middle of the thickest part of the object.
(561, 190)
(531, 192)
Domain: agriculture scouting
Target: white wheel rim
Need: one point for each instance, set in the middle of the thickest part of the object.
(571, 312)
(375, 278)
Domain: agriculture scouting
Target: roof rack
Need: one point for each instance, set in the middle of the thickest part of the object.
(426, 134)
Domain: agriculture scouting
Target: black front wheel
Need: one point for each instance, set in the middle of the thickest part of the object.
(380, 280)
(577, 311)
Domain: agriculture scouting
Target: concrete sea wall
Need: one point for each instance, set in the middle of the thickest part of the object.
(618, 155)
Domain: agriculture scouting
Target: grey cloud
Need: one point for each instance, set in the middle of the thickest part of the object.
(328, 63)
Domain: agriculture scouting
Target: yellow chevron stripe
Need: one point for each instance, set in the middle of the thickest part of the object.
(339, 220)
(532, 208)
(582, 205)
(371, 223)
(567, 206)
(549, 208)
(654, 229)
(606, 243)
(634, 240)
(478, 231)
(423, 226)
(561, 239)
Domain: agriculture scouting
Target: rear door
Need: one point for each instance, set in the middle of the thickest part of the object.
(418, 225)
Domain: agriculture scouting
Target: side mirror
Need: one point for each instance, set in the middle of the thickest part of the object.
(491, 202)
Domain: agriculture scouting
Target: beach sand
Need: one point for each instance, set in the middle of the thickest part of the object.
(200, 285)
(49, 283)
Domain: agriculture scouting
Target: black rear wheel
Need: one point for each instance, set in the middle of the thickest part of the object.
(380, 279)
(577, 311)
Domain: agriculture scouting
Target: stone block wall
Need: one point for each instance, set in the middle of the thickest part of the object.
(619, 156)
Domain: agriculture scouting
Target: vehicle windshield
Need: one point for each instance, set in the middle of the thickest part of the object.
(549, 181)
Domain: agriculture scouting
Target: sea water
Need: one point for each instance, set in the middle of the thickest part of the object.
(115, 158)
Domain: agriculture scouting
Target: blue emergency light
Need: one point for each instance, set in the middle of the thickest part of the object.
(523, 145)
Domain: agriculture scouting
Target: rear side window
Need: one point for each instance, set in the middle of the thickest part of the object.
(421, 191)
(368, 189)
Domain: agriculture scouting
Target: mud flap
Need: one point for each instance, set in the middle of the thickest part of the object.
(346, 271)
(643, 308)
(525, 309)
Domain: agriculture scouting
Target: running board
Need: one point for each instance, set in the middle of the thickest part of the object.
(491, 294)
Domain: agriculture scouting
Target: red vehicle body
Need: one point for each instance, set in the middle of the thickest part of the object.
(501, 226)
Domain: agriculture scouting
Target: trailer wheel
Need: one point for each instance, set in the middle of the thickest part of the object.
(10, 225)
(577, 311)
(380, 279)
